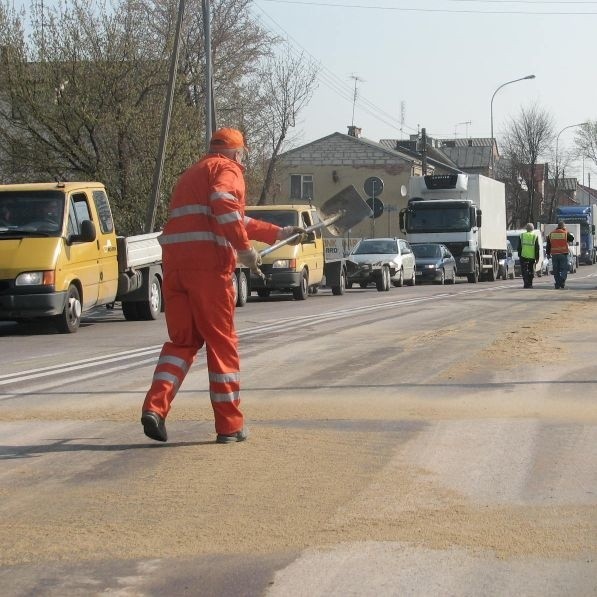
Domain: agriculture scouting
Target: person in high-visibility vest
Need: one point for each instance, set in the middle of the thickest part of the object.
(528, 251)
(206, 233)
(557, 248)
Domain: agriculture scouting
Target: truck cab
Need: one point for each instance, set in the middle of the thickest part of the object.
(60, 256)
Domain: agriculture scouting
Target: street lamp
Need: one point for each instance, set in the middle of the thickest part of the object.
(500, 87)
(558, 138)
(557, 173)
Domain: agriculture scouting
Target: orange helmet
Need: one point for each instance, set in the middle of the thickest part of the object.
(227, 139)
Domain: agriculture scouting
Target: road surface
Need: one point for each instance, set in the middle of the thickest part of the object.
(423, 441)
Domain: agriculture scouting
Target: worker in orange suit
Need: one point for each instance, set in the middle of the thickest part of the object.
(206, 233)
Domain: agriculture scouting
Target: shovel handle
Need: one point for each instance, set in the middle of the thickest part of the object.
(282, 243)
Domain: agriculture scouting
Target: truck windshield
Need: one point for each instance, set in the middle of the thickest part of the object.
(31, 213)
(279, 217)
(438, 218)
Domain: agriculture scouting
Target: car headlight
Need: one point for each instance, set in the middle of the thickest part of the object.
(284, 264)
(464, 259)
(430, 266)
(45, 278)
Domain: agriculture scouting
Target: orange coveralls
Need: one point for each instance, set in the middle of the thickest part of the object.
(205, 228)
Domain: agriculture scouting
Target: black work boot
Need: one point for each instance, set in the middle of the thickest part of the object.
(154, 426)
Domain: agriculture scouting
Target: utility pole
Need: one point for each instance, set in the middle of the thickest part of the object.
(210, 109)
(424, 151)
(159, 163)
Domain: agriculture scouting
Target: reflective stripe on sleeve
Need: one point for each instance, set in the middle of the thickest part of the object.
(224, 377)
(187, 210)
(221, 195)
(233, 216)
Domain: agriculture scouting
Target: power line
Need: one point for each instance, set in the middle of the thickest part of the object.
(335, 83)
(434, 10)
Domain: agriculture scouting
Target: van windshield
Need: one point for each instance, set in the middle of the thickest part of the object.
(31, 213)
(279, 217)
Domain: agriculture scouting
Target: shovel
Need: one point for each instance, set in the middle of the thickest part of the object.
(339, 214)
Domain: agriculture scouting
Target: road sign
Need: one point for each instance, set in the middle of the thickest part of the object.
(376, 205)
(373, 186)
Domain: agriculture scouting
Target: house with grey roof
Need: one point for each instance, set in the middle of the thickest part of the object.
(320, 169)
(471, 155)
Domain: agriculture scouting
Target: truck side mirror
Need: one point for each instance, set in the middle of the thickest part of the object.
(87, 233)
(592, 228)
(479, 218)
(401, 220)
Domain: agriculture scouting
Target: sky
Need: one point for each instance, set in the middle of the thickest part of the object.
(437, 64)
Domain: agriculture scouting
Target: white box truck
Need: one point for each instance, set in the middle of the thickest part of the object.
(465, 212)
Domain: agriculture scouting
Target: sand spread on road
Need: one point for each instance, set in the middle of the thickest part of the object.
(309, 476)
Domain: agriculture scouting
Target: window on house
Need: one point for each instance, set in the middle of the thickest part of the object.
(301, 186)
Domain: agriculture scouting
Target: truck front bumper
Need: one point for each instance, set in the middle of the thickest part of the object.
(465, 264)
(15, 305)
(276, 280)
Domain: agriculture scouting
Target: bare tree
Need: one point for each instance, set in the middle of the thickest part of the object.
(586, 140)
(82, 96)
(528, 137)
(289, 81)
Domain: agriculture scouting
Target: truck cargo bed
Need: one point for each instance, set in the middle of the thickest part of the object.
(137, 251)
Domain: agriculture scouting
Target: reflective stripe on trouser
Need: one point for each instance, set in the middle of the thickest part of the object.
(199, 308)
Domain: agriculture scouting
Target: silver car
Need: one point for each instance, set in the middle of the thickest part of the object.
(382, 261)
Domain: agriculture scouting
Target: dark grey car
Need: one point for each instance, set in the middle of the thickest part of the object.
(435, 263)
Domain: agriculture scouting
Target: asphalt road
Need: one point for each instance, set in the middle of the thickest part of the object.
(423, 441)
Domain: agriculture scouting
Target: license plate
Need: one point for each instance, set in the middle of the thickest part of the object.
(418, 273)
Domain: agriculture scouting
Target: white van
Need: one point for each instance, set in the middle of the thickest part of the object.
(514, 238)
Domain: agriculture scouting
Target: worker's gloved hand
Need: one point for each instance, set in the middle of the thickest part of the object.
(251, 259)
(287, 231)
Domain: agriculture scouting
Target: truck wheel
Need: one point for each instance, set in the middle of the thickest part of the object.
(302, 291)
(150, 309)
(474, 277)
(339, 290)
(241, 288)
(69, 320)
(129, 310)
(492, 273)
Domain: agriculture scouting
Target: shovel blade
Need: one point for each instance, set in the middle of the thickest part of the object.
(347, 208)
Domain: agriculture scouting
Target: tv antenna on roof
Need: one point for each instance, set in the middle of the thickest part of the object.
(467, 123)
(355, 95)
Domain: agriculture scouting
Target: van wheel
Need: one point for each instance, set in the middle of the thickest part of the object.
(339, 290)
(129, 310)
(302, 291)
(69, 320)
(383, 282)
(150, 309)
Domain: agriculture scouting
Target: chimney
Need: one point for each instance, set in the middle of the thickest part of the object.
(354, 131)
